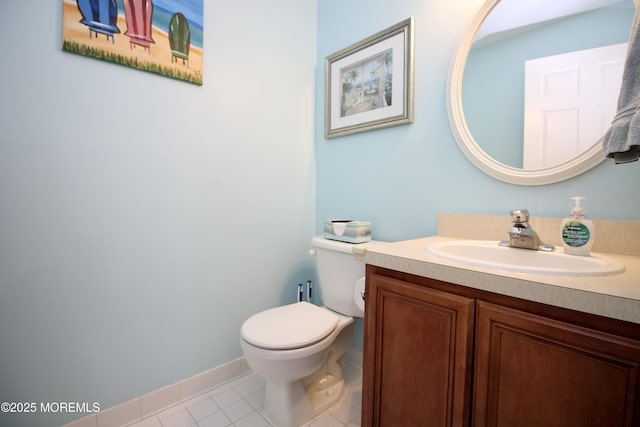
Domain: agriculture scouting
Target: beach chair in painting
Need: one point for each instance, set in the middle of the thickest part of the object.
(100, 16)
(179, 38)
(138, 14)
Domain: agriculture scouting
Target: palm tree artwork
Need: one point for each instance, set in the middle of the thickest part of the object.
(366, 85)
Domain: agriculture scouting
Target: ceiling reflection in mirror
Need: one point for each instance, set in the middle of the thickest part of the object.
(493, 86)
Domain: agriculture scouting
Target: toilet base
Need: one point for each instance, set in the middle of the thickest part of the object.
(283, 404)
(285, 408)
(321, 400)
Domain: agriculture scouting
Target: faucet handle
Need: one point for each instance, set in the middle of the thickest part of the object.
(520, 216)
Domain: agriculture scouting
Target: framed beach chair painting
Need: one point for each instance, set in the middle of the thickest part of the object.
(159, 36)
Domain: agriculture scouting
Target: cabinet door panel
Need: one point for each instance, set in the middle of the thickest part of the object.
(418, 349)
(534, 371)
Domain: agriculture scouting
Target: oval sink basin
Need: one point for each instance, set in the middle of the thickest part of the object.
(488, 254)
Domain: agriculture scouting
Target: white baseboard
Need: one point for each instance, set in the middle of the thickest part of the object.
(150, 403)
(141, 407)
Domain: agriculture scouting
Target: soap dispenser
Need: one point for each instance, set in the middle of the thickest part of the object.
(577, 232)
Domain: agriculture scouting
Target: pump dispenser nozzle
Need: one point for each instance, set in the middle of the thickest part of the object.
(577, 210)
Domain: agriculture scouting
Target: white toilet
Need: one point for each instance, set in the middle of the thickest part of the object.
(298, 348)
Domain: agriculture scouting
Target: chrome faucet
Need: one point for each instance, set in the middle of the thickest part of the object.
(521, 235)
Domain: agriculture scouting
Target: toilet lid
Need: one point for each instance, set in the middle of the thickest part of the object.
(288, 327)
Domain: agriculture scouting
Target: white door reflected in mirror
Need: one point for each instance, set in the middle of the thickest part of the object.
(570, 100)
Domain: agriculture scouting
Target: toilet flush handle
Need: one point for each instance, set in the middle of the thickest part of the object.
(312, 252)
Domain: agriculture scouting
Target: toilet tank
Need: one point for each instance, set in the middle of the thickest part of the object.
(338, 272)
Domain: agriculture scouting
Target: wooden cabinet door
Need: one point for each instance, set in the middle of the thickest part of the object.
(533, 371)
(417, 355)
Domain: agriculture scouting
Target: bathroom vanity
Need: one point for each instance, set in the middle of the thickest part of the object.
(447, 344)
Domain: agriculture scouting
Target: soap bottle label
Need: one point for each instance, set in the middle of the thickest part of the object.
(576, 234)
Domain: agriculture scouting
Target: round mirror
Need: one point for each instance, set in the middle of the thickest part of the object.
(489, 121)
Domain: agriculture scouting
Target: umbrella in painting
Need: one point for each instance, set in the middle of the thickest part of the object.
(100, 16)
(179, 37)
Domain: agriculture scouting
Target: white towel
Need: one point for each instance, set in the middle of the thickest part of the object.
(622, 140)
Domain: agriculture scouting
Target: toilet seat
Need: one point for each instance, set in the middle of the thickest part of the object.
(289, 327)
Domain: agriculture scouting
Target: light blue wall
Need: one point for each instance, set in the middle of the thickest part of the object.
(142, 219)
(131, 249)
(401, 178)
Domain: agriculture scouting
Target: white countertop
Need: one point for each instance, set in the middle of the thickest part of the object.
(616, 296)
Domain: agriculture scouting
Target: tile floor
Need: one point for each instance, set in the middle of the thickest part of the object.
(240, 404)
